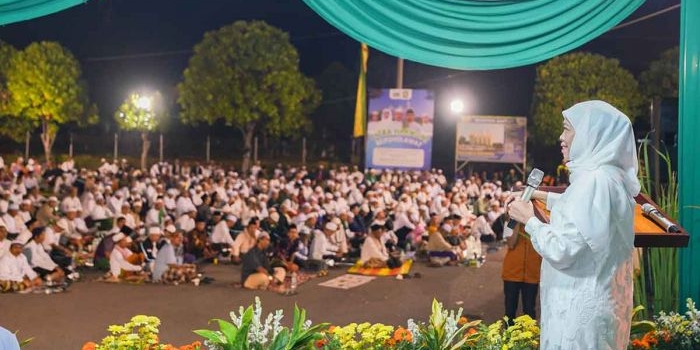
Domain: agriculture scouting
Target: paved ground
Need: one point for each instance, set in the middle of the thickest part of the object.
(65, 321)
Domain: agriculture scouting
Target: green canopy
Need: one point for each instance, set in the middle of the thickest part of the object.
(472, 34)
(21, 10)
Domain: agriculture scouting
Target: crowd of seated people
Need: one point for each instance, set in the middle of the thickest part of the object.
(161, 225)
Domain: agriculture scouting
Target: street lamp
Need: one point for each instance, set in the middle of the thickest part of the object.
(457, 106)
(144, 102)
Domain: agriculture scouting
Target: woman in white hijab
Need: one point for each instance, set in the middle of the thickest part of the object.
(587, 247)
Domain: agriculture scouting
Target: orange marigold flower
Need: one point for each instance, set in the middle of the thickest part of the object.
(196, 344)
(402, 334)
(89, 346)
(640, 344)
(462, 321)
(331, 329)
(320, 343)
(649, 338)
(471, 331)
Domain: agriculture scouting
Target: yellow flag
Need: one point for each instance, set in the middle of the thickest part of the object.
(361, 103)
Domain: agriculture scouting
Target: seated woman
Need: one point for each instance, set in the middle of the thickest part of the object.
(169, 263)
(374, 253)
(124, 265)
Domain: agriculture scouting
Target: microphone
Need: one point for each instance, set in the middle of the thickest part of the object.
(659, 219)
(533, 181)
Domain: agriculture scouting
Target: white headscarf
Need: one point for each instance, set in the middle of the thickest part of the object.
(603, 165)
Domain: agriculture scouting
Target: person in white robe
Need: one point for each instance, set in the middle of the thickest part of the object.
(587, 248)
(15, 272)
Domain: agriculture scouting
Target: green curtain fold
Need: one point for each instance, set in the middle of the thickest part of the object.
(12, 11)
(472, 34)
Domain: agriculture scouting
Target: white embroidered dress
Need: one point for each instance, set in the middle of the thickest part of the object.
(586, 279)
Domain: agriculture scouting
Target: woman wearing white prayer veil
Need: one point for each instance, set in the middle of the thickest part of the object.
(586, 278)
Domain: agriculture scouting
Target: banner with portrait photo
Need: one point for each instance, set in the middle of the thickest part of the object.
(492, 139)
(399, 129)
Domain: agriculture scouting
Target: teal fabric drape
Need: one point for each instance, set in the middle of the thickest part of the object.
(472, 34)
(21, 10)
(689, 143)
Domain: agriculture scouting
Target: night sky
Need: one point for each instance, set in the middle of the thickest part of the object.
(125, 45)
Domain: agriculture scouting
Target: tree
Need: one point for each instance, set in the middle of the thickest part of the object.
(247, 74)
(13, 128)
(566, 80)
(661, 79)
(144, 114)
(45, 89)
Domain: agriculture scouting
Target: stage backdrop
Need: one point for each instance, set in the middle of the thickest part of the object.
(399, 129)
(493, 139)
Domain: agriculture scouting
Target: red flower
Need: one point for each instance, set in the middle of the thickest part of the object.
(320, 343)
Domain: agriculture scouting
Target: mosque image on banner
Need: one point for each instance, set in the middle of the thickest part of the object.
(492, 139)
(399, 129)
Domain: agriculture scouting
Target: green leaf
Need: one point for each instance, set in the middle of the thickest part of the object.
(210, 335)
(241, 338)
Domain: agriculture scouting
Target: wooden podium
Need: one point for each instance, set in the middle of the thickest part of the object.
(646, 232)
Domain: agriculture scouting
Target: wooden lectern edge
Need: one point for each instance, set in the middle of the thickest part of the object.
(641, 239)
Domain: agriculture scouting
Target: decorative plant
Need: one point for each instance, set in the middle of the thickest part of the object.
(246, 331)
(673, 331)
(23, 343)
(523, 334)
(443, 330)
(656, 283)
(141, 333)
(359, 336)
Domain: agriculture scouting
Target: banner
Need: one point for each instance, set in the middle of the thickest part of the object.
(492, 139)
(400, 129)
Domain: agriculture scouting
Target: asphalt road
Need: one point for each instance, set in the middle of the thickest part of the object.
(67, 320)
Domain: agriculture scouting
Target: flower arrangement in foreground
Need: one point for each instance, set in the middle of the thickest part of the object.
(141, 333)
(669, 331)
(444, 330)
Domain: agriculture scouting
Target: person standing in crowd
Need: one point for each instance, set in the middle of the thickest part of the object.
(588, 246)
(520, 272)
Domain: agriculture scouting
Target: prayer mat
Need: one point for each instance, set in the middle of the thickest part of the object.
(346, 281)
(404, 269)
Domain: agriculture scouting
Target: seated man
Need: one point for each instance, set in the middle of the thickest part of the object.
(245, 240)
(256, 271)
(440, 251)
(169, 266)
(151, 246)
(40, 260)
(15, 273)
(322, 247)
(221, 239)
(123, 263)
(374, 253)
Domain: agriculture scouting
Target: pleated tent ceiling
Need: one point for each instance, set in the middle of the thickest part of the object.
(12, 11)
(475, 35)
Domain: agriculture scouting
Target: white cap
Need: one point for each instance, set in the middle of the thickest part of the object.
(155, 230)
(231, 218)
(170, 229)
(331, 226)
(118, 237)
